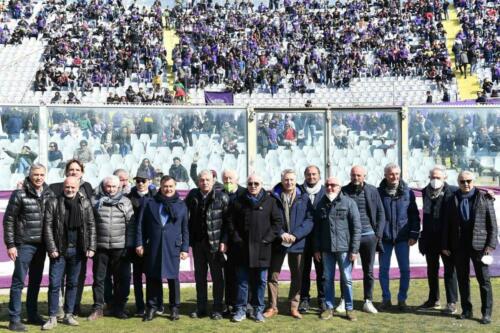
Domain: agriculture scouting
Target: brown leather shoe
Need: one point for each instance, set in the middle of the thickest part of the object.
(96, 314)
(350, 316)
(295, 314)
(270, 312)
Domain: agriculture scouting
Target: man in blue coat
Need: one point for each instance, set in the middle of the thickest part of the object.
(297, 215)
(163, 238)
(401, 231)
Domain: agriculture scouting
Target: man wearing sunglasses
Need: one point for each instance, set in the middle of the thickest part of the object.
(254, 224)
(337, 232)
(470, 233)
(140, 192)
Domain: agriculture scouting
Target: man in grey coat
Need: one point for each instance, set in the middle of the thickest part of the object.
(337, 234)
(115, 230)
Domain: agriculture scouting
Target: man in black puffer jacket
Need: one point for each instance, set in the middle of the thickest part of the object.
(208, 209)
(22, 224)
(69, 234)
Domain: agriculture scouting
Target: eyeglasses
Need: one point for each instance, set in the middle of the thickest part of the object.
(331, 185)
(140, 180)
(253, 184)
(52, 146)
(464, 181)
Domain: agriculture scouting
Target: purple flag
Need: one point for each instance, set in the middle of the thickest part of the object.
(219, 97)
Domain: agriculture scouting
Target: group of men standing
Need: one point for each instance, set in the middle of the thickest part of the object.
(242, 235)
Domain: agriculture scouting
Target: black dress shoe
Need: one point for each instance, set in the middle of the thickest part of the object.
(149, 315)
(465, 315)
(36, 320)
(121, 315)
(486, 320)
(17, 326)
(174, 314)
(198, 314)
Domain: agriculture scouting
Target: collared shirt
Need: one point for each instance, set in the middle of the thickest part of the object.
(163, 215)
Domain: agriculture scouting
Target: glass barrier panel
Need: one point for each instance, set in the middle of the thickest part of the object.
(370, 138)
(19, 144)
(289, 140)
(459, 139)
(151, 141)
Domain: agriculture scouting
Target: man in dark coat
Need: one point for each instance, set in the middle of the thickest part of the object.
(296, 213)
(69, 234)
(162, 238)
(138, 194)
(401, 231)
(208, 208)
(337, 232)
(254, 224)
(372, 216)
(315, 191)
(470, 234)
(22, 233)
(435, 196)
(178, 171)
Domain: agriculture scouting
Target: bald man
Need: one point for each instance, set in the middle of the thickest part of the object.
(337, 232)
(371, 214)
(69, 234)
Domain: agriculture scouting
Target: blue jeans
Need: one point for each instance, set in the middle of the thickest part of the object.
(257, 278)
(71, 264)
(345, 268)
(402, 250)
(30, 257)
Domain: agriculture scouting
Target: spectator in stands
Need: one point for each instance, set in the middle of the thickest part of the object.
(14, 125)
(83, 153)
(336, 241)
(123, 175)
(23, 221)
(124, 141)
(253, 254)
(147, 168)
(429, 97)
(435, 197)
(69, 235)
(22, 160)
(55, 156)
(178, 172)
(401, 231)
(162, 244)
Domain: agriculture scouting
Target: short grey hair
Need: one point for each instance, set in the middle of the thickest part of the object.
(232, 171)
(37, 166)
(118, 171)
(466, 173)
(256, 176)
(205, 172)
(391, 166)
(287, 172)
(111, 179)
(438, 167)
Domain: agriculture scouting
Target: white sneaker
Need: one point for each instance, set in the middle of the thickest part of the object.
(369, 307)
(69, 319)
(50, 324)
(341, 307)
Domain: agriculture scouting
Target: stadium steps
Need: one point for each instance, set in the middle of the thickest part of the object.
(170, 39)
(467, 88)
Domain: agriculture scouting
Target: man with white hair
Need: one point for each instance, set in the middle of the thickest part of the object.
(470, 234)
(115, 229)
(401, 231)
(435, 196)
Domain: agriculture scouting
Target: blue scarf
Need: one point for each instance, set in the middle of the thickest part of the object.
(255, 200)
(463, 204)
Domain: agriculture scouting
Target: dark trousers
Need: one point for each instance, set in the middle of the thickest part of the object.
(154, 293)
(119, 264)
(462, 260)
(230, 281)
(203, 259)
(68, 265)
(450, 277)
(30, 260)
(367, 251)
(81, 282)
(138, 271)
(306, 274)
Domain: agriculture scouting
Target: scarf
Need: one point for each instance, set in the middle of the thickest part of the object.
(108, 200)
(167, 203)
(391, 189)
(464, 204)
(434, 193)
(312, 191)
(73, 217)
(433, 199)
(254, 200)
(287, 204)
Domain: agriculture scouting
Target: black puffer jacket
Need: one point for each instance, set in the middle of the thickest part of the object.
(207, 221)
(23, 220)
(54, 228)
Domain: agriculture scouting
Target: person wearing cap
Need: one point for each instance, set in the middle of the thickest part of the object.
(470, 234)
(178, 171)
(138, 194)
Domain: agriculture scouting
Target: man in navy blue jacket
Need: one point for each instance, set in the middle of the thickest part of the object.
(296, 210)
(401, 231)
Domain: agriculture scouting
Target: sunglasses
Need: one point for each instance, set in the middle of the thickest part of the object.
(331, 185)
(253, 184)
(464, 181)
(140, 180)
